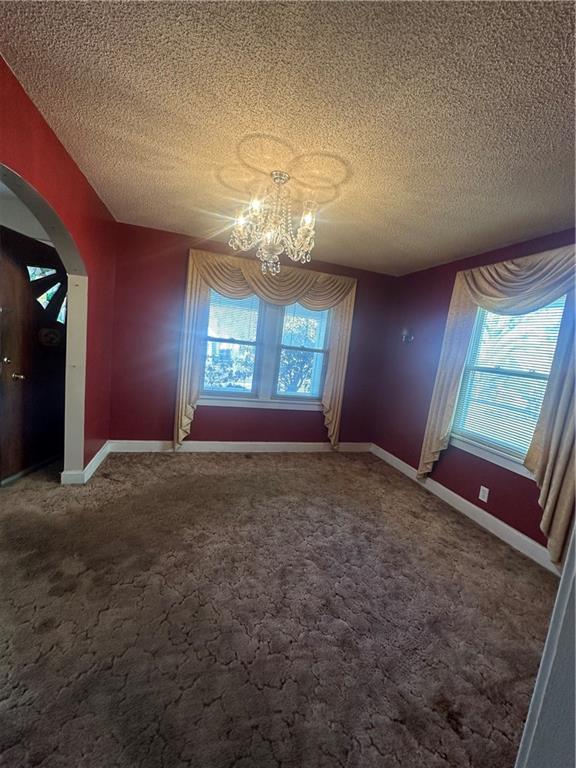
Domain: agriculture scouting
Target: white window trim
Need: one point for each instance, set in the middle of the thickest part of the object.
(231, 401)
(270, 317)
(499, 456)
(271, 321)
(493, 455)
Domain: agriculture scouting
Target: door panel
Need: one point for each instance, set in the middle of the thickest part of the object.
(32, 358)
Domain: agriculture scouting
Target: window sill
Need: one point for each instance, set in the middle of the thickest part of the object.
(491, 454)
(280, 405)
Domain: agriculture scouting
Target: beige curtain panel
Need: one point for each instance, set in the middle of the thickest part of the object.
(550, 457)
(238, 278)
(508, 288)
(457, 336)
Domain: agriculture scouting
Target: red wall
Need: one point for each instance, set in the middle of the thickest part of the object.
(30, 148)
(150, 285)
(134, 332)
(388, 386)
(420, 301)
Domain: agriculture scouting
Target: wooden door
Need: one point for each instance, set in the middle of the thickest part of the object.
(32, 353)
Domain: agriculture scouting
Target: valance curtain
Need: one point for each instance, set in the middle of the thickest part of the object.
(238, 278)
(513, 288)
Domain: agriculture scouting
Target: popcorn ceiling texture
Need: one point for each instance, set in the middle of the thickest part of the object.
(269, 611)
(454, 120)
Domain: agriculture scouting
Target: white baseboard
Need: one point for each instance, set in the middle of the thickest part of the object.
(394, 461)
(211, 446)
(140, 446)
(506, 533)
(198, 446)
(79, 477)
(202, 446)
(355, 447)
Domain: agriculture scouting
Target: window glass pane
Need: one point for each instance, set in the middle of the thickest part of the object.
(500, 404)
(524, 343)
(62, 313)
(502, 410)
(47, 297)
(233, 318)
(304, 327)
(35, 273)
(300, 373)
(229, 367)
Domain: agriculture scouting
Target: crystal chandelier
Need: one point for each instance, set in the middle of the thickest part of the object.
(267, 226)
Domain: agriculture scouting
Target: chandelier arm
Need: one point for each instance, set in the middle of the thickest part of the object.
(267, 225)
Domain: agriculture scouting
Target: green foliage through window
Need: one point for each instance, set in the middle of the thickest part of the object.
(230, 364)
(256, 349)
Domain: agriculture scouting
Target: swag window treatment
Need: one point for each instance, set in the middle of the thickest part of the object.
(513, 288)
(239, 278)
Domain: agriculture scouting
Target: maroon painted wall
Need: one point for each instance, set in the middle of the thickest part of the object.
(388, 386)
(30, 148)
(134, 333)
(420, 301)
(150, 285)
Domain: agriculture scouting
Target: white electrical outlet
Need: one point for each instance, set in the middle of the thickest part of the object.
(483, 495)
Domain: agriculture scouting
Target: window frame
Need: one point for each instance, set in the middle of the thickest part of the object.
(268, 349)
(324, 351)
(474, 444)
(213, 394)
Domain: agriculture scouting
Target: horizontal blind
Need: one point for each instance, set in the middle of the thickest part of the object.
(505, 377)
(230, 361)
(233, 318)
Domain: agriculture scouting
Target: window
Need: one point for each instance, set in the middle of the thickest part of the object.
(264, 352)
(302, 352)
(231, 344)
(505, 378)
(47, 285)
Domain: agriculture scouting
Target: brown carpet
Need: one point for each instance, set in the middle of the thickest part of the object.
(235, 611)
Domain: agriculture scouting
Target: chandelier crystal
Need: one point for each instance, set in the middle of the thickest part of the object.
(267, 226)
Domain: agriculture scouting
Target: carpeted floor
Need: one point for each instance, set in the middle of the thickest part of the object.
(236, 611)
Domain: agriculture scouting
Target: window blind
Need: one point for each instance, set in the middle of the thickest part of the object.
(505, 377)
(259, 350)
(235, 319)
(230, 361)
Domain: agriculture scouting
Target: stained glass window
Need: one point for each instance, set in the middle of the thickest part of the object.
(48, 295)
(35, 273)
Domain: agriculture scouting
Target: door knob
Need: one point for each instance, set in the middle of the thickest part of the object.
(6, 360)
(18, 376)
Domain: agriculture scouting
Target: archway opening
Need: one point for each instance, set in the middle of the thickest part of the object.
(65, 299)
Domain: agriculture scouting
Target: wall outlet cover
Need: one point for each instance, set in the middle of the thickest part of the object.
(483, 495)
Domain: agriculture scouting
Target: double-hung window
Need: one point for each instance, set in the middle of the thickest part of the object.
(259, 353)
(301, 364)
(505, 379)
(230, 360)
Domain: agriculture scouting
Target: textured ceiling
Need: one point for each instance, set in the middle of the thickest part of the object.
(430, 130)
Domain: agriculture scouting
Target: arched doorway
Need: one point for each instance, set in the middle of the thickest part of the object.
(76, 325)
